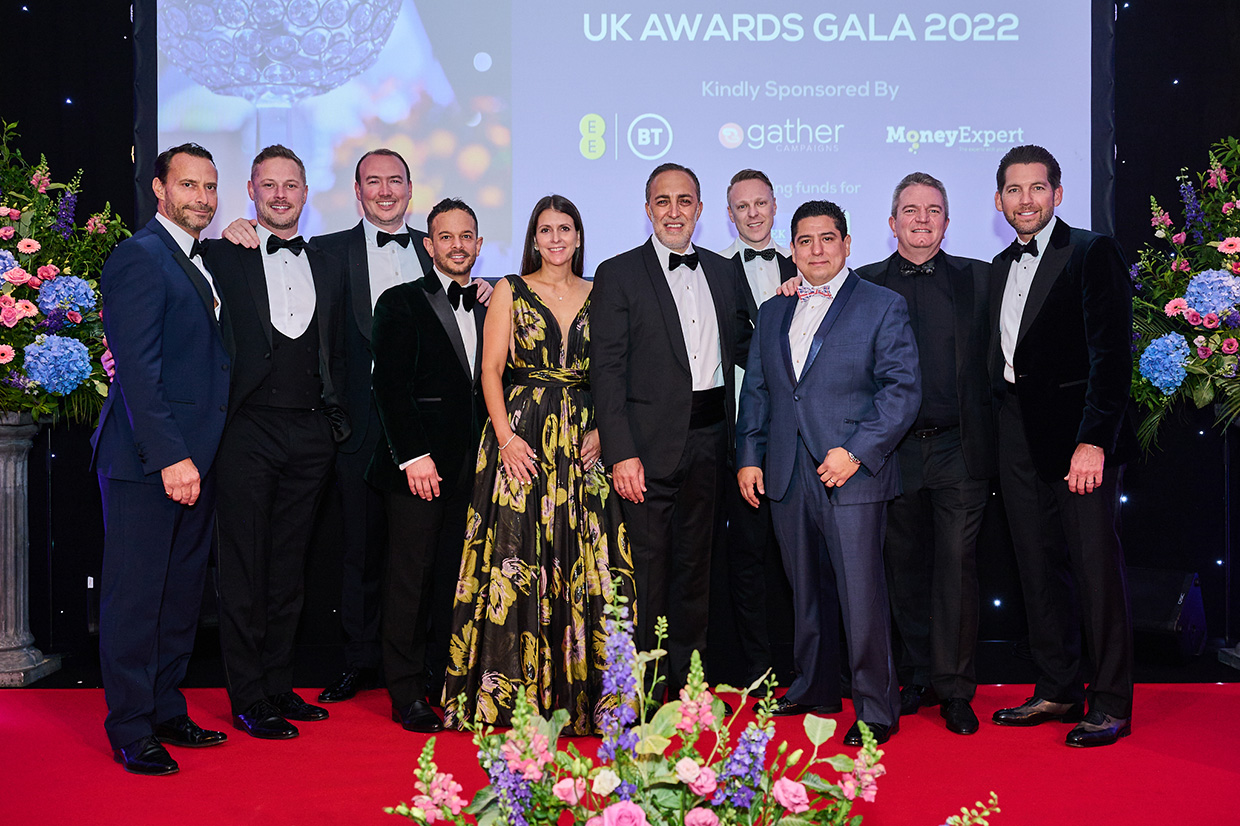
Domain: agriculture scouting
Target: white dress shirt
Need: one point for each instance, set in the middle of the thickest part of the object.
(1015, 294)
(390, 264)
(696, 309)
(186, 242)
(807, 318)
(290, 288)
(762, 275)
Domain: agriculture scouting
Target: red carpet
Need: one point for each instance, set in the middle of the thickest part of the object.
(1181, 765)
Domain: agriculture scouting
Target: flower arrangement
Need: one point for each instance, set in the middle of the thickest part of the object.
(1186, 297)
(657, 765)
(51, 335)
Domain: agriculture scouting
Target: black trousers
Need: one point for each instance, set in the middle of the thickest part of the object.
(273, 466)
(154, 564)
(1071, 573)
(362, 551)
(753, 551)
(673, 533)
(931, 559)
(425, 540)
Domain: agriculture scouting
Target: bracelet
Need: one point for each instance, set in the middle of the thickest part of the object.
(505, 444)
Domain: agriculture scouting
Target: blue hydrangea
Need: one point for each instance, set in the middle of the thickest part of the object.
(66, 292)
(1163, 362)
(57, 363)
(1213, 291)
(7, 261)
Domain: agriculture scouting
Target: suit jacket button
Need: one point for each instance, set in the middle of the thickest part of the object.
(223, 408)
(224, 367)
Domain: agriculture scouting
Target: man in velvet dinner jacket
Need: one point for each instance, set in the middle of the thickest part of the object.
(1061, 366)
(427, 338)
(668, 327)
(831, 387)
(155, 456)
(285, 415)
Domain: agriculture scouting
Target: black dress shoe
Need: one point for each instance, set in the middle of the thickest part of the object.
(417, 716)
(1098, 729)
(263, 720)
(881, 733)
(789, 708)
(959, 716)
(913, 697)
(1035, 711)
(292, 707)
(182, 731)
(349, 683)
(146, 756)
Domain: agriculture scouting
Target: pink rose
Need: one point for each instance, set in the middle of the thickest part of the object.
(6, 233)
(28, 246)
(1230, 345)
(15, 214)
(9, 316)
(1235, 267)
(1179, 238)
(597, 820)
(34, 283)
(26, 309)
(570, 790)
(1192, 317)
(7, 301)
(624, 813)
(1229, 245)
(48, 271)
(687, 769)
(6, 353)
(701, 817)
(791, 795)
(1204, 353)
(704, 784)
(1210, 320)
(1175, 307)
(17, 276)
(74, 316)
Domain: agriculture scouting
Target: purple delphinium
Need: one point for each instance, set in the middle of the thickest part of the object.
(53, 322)
(1231, 319)
(64, 217)
(743, 769)
(512, 789)
(16, 380)
(620, 681)
(1194, 218)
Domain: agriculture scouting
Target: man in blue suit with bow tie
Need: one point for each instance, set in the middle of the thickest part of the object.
(831, 386)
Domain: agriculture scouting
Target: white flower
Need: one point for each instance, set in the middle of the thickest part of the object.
(605, 782)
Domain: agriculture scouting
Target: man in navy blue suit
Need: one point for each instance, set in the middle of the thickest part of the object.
(154, 452)
(831, 387)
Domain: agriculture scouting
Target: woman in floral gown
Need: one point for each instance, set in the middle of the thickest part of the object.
(545, 547)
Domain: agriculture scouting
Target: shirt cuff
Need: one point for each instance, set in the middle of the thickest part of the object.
(404, 465)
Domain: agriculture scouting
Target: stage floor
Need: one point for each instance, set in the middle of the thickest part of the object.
(1180, 765)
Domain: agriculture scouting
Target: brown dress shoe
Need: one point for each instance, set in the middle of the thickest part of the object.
(1098, 729)
(1035, 711)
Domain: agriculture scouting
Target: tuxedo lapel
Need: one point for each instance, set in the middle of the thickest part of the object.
(322, 316)
(962, 291)
(480, 314)
(359, 280)
(191, 271)
(751, 305)
(256, 281)
(438, 300)
(833, 312)
(720, 285)
(667, 305)
(1050, 267)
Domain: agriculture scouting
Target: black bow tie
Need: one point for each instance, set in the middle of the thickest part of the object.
(1017, 249)
(401, 238)
(767, 254)
(196, 249)
(294, 245)
(459, 296)
(909, 268)
(676, 259)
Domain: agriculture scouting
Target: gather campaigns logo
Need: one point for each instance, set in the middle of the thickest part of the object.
(790, 135)
(962, 137)
(649, 136)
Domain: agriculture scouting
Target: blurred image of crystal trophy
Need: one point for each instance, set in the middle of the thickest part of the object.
(274, 52)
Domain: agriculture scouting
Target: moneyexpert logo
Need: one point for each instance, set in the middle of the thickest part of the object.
(963, 137)
(649, 136)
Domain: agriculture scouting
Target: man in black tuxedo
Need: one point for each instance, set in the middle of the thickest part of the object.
(154, 452)
(1060, 366)
(427, 338)
(285, 414)
(669, 327)
(946, 459)
(756, 574)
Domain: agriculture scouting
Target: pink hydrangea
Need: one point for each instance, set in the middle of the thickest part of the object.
(701, 817)
(791, 795)
(570, 789)
(624, 813)
(28, 246)
(48, 271)
(16, 276)
(1210, 320)
(1230, 345)
(1229, 245)
(1192, 317)
(1175, 307)
(6, 353)
(1179, 238)
(6, 233)
(704, 784)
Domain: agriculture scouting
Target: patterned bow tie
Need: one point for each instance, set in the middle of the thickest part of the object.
(1017, 249)
(459, 296)
(806, 292)
(294, 245)
(766, 254)
(676, 259)
(401, 238)
(196, 249)
(909, 268)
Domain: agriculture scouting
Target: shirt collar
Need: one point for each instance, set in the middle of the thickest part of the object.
(183, 239)
(661, 252)
(373, 231)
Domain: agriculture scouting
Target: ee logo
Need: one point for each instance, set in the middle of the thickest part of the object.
(592, 128)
